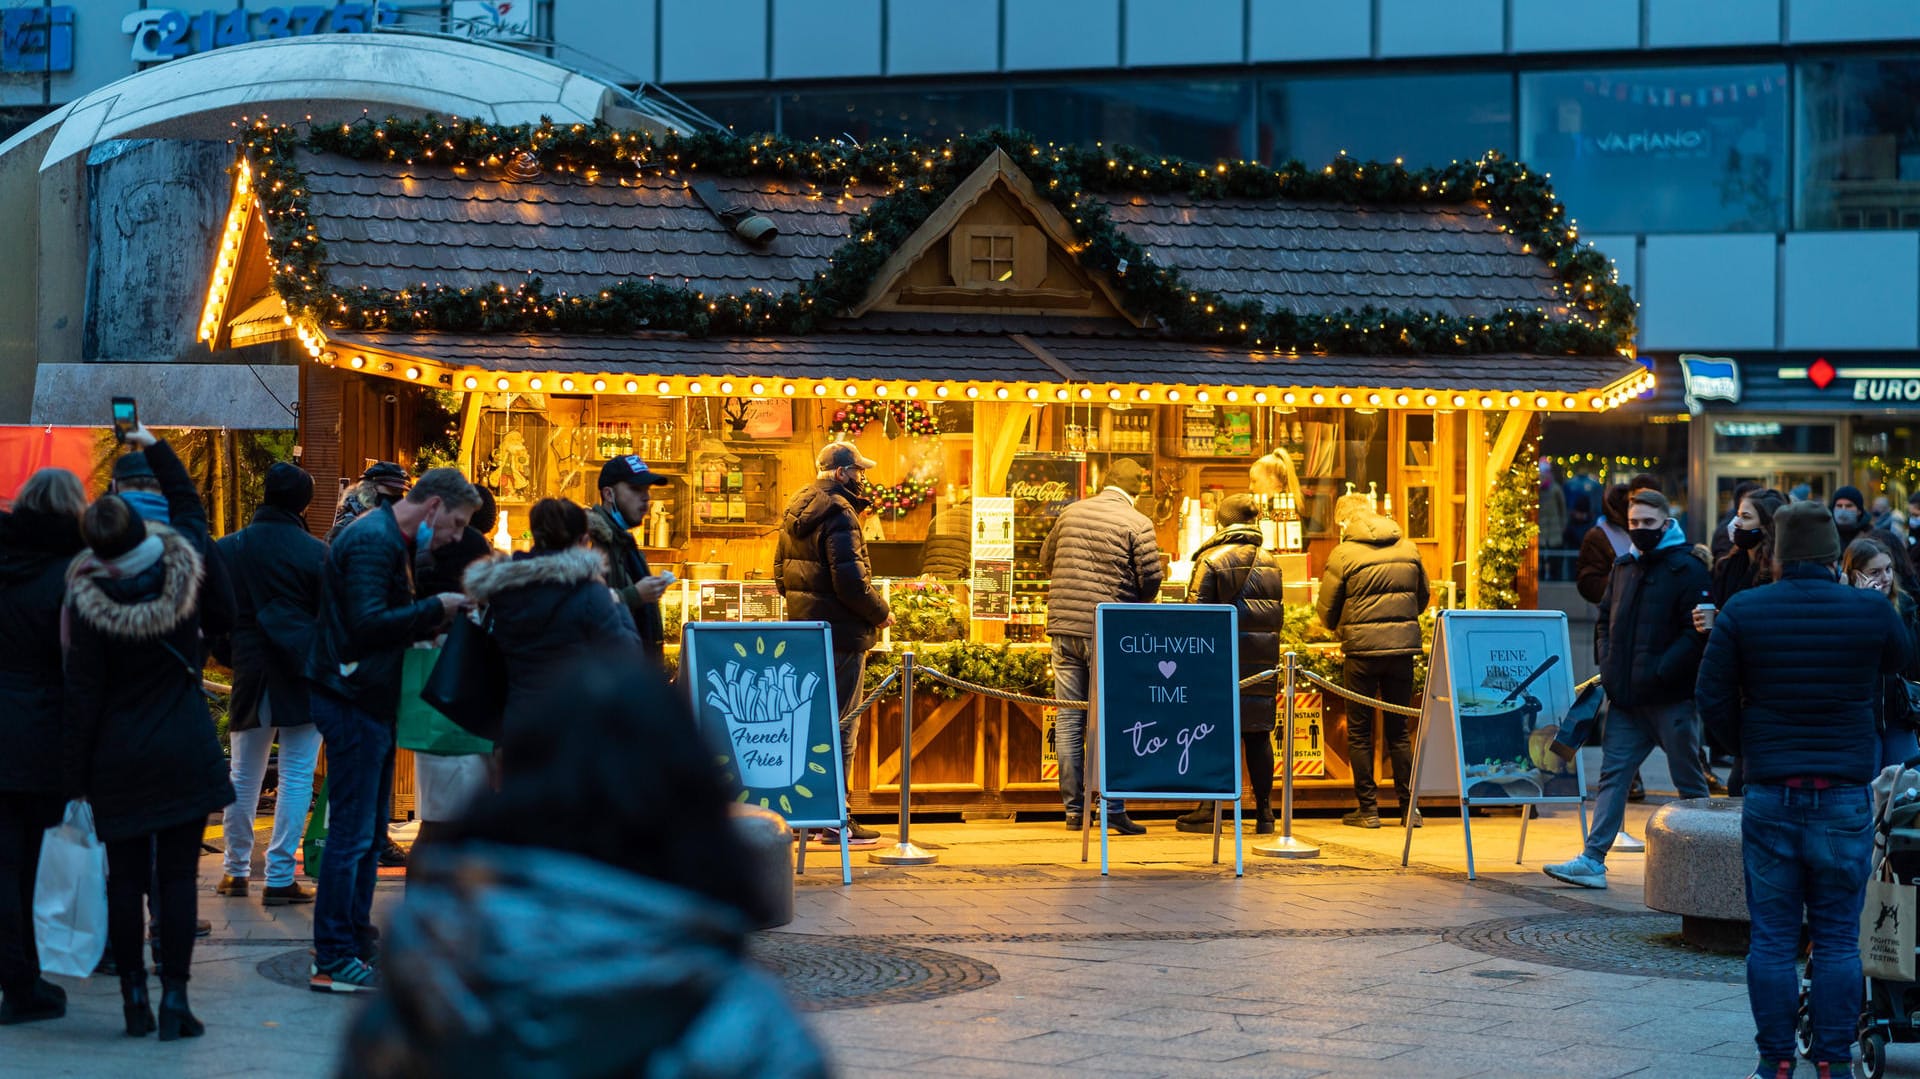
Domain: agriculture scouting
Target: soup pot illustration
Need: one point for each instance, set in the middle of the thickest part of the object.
(1497, 728)
(767, 712)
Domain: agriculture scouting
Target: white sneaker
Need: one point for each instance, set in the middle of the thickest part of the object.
(1627, 844)
(1583, 871)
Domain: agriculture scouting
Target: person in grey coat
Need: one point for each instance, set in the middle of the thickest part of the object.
(1101, 550)
(1371, 594)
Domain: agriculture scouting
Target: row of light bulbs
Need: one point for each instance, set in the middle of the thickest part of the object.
(229, 257)
(1173, 395)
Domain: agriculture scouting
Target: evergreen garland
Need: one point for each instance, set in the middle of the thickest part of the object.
(1512, 523)
(918, 177)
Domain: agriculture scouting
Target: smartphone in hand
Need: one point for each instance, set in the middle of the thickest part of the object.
(126, 417)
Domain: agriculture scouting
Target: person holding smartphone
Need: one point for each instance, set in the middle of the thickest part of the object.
(626, 485)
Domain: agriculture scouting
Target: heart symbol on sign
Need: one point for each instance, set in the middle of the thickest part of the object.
(1167, 667)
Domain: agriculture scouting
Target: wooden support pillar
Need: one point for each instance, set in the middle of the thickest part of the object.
(1485, 465)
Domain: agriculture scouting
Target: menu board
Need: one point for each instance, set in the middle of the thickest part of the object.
(719, 601)
(760, 602)
(992, 591)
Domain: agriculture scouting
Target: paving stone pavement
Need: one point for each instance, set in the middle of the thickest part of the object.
(1013, 958)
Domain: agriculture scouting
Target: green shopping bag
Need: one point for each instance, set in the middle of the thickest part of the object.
(314, 844)
(422, 728)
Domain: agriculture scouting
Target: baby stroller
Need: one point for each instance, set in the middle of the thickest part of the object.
(1890, 1011)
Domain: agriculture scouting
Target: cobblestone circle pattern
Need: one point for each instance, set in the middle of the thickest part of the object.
(1646, 945)
(829, 973)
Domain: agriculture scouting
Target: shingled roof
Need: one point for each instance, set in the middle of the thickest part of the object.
(591, 253)
(398, 226)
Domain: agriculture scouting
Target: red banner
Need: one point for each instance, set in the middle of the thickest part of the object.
(26, 450)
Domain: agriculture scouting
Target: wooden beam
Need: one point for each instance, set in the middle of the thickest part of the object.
(925, 730)
(469, 428)
(1476, 450)
(1002, 426)
(1513, 431)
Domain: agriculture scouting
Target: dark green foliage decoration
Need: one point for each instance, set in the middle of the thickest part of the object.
(913, 180)
(1512, 523)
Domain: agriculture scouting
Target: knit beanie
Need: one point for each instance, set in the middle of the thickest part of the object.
(288, 487)
(1849, 494)
(1804, 532)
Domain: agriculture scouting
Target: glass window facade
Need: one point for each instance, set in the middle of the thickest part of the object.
(1662, 149)
(932, 115)
(1859, 144)
(745, 114)
(1424, 119)
(1202, 121)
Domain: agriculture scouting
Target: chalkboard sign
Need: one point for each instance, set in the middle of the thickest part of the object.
(767, 689)
(1168, 699)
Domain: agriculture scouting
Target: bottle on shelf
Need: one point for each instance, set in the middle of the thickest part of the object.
(1292, 539)
(1386, 504)
(600, 441)
(1270, 522)
(666, 441)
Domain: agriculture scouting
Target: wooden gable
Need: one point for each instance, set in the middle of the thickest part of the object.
(994, 247)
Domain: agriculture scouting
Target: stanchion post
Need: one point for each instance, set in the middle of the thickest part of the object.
(1285, 845)
(904, 852)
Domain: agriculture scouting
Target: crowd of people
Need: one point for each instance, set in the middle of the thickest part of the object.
(109, 611)
(1790, 641)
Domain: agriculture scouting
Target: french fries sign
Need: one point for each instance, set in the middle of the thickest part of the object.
(764, 692)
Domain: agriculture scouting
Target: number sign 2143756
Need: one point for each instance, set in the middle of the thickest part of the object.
(164, 34)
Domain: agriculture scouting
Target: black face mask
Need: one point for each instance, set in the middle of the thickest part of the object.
(1747, 538)
(1646, 539)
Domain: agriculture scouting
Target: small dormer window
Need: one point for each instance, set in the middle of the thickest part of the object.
(996, 256)
(990, 257)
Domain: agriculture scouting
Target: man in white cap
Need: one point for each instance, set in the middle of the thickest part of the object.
(821, 568)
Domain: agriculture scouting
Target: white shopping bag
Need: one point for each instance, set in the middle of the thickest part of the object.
(70, 896)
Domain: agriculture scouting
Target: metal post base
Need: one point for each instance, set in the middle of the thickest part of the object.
(1286, 847)
(903, 854)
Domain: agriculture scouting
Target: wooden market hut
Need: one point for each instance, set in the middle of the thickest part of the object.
(981, 315)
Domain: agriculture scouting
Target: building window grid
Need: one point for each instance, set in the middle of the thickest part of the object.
(1797, 156)
(989, 257)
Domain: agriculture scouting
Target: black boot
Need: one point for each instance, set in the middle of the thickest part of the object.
(1263, 821)
(176, 1020)
(133, 998)
(41, 1000)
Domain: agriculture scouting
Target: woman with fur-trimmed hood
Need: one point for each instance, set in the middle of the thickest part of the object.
(546, 606)
(140, 742)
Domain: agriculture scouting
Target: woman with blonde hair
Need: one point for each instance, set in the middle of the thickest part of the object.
(37, 540)
(1869, 564)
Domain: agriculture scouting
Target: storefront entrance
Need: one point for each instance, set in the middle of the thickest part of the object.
(1777, 452)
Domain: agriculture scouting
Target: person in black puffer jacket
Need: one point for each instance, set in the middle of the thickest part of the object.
(1101, 550)
(545, 605)
(140, 743)
(37, 541)
(591, 917)
(1371, 594)
(1230, 567)
(821, 567)
(442, 570)
(1648, 650)
(1792, 675)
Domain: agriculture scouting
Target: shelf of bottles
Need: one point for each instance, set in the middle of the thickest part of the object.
(735, 491)
(1213, 431)
(1041, 484)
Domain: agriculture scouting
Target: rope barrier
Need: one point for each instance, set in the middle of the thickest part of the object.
(1000, 694)
(1357, 698)
(879, 691)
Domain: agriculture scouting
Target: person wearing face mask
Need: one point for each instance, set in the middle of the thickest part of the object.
(1748, 560)
(1722, 539)
(1869, 564)
(368, 618)
(1648, 651)
(626, 485)
(821, 567)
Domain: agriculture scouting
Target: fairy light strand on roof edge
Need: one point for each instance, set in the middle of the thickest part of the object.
(918, 178)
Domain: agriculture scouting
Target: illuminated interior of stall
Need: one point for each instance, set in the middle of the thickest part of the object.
(736, 448)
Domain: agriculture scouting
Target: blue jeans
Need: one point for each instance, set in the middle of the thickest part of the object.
(1807, 852)
(1633, 733)
(1071, 657)
(357, 743)
(299, 747)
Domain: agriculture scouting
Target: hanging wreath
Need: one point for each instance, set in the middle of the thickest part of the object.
(899, 498)
(909, 416)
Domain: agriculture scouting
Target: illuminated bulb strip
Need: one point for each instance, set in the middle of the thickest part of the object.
(231, 236)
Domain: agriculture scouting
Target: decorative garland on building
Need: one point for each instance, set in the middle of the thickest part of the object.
(903, 497)
(1512, 523)
(917, 178)
(912, 417)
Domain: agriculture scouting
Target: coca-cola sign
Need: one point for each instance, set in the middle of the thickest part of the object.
(1047, 491)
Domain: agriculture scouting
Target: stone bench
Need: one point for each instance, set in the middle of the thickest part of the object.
(1694, 869)
(769, 844)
